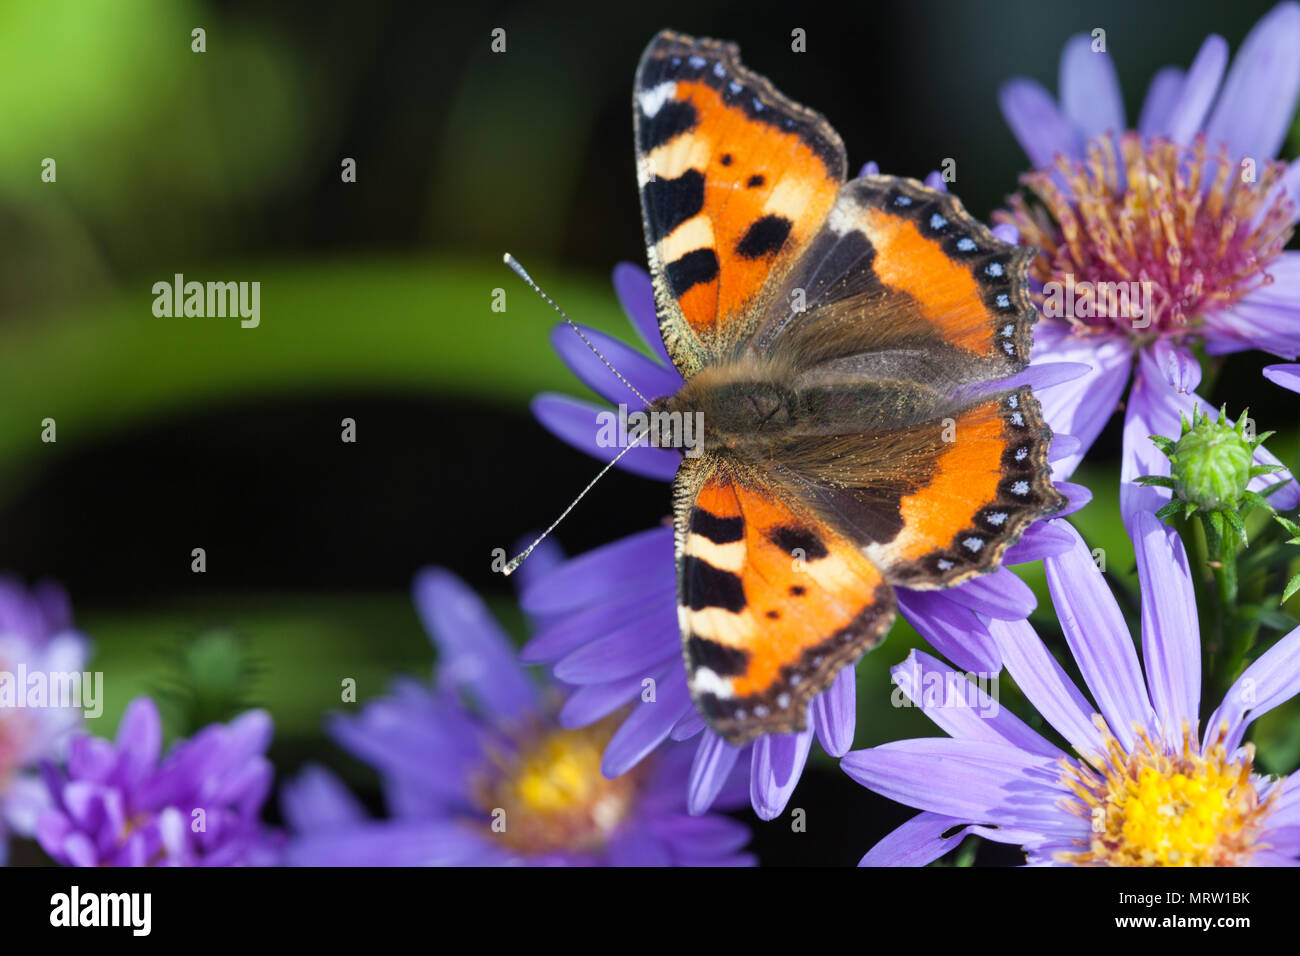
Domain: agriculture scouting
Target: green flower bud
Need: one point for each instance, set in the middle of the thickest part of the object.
(1211, 464)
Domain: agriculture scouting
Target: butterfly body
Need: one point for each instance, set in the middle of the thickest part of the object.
(844, 344)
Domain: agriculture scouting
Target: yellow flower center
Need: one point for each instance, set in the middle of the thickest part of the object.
(549, 793)
(1149, 807)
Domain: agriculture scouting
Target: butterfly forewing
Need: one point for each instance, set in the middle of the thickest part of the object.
(734, 178)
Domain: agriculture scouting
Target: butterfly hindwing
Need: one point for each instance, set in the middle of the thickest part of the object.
(934, 503)
(990, 481)
(901, 270)
(735, 178)
(772, 601)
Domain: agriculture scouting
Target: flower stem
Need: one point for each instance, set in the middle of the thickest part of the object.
(1233, 636)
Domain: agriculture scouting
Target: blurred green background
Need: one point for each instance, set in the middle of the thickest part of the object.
(178, 433)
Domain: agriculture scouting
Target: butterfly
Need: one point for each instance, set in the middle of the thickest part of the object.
(842, 342)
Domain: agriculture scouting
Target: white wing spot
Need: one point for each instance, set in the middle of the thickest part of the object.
(707, 681)
(653, 100)
(842, 219)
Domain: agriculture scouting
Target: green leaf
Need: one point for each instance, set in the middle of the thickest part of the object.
(1215, 532)
(1292, 586)
(1257, 470)
(1170, 508)
(1235, 523)
(1269, 616)
(1258, 500)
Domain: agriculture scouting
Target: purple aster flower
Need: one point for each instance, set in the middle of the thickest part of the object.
(36, 638)
(119, 804)
(1142, 787)
(1288, 376)
(1187, 216)
(497, 781)
(611, 614)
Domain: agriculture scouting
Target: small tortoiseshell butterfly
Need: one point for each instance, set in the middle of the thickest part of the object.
(827, 332)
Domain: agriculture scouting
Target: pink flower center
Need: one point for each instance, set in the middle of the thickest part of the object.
(1148, 237)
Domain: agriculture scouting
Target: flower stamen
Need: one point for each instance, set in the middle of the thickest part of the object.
(545, 792)
(1150, 807)
(1197, 230)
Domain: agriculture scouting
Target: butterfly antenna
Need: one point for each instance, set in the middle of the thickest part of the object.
(520, 271)
(520, 558)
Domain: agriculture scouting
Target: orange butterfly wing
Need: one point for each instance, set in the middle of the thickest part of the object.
(735, 178)
(773, 601)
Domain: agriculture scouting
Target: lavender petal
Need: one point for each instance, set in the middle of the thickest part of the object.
(1099, 640)
(1171, 637)
(918, 842)
(636, 294)
(1090, 94)
(1251, 124)
(581, 424)
(1037, 123)
(834, 713)
(961, 708)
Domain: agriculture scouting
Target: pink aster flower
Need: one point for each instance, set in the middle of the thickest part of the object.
(36, 637)
(1187, 215)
